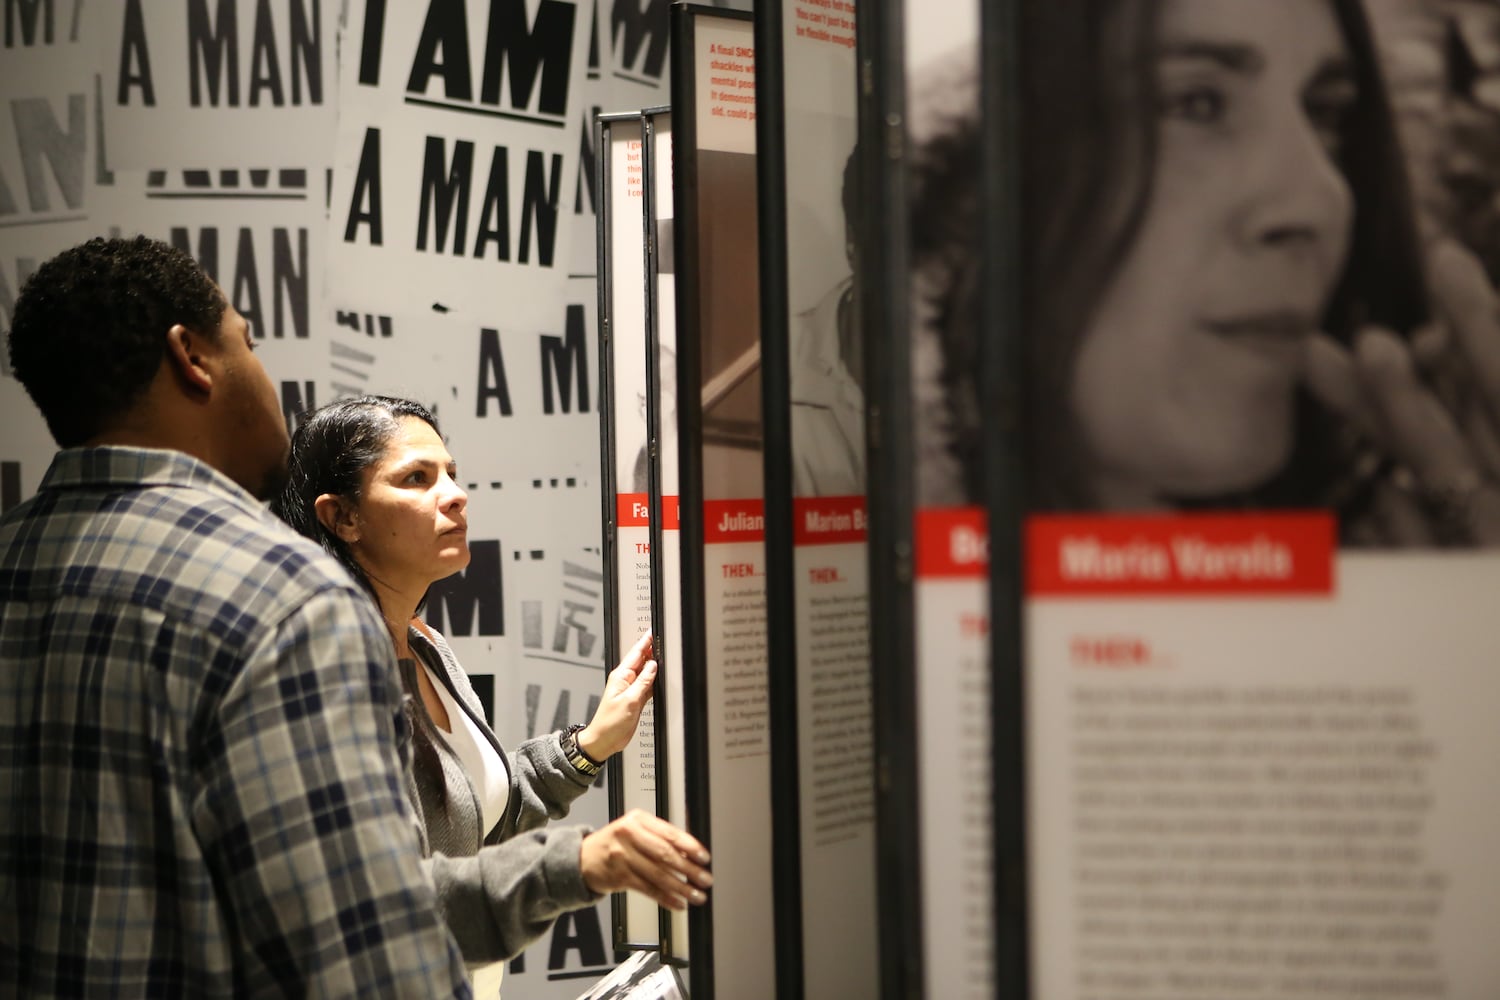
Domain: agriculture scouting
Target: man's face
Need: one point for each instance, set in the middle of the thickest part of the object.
(251, 411)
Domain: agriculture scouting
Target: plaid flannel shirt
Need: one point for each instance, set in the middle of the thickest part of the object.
(201, 752)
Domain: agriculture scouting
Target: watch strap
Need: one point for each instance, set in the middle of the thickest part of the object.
(581, 761)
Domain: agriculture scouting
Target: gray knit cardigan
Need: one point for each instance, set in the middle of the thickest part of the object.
(500, 893)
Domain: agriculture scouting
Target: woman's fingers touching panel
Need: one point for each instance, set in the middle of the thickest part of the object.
(644, 853)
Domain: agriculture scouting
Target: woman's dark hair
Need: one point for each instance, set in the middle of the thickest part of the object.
(89, 329)
(1086, 156)
(331, 450)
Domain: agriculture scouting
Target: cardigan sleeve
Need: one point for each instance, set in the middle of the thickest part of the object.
(543, 786)
(500, 900)
(528, 874)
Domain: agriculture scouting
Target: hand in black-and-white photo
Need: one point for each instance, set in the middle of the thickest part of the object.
(1430, 405)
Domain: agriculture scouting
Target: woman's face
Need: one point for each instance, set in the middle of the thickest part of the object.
(412, 517)
(1185, 378)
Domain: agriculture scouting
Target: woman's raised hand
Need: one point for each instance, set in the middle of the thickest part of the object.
(1432, 405)
(626, 692)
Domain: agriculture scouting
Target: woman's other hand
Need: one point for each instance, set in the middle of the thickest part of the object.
(625, 695)
(1433, 407)
(643, 852)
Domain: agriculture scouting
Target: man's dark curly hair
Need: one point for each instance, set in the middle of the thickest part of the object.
(88, 330)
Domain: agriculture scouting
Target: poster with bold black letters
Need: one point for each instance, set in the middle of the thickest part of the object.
(215, 125)
(456, 137)
(51, 170)
(257, 75)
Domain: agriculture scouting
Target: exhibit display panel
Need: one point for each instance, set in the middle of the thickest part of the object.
(664, 482)
(623, 341)
(1263, 526)
(817, 558)
(950, 534)
(721, 459)
(930, 596)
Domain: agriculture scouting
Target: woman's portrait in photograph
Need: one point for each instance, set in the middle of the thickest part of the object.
(1229, 296)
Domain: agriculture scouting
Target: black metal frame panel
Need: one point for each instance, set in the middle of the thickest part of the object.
(781, 141)
(689, 430)
(621, 935)
(1003, 387)
(671, 761)
(701, 967)
(781, 609)
(884, 243)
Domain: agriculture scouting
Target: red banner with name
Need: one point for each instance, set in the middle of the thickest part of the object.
(633, 510)
(828, 520)
(952, 542)
(1180, 554)
(734, 521)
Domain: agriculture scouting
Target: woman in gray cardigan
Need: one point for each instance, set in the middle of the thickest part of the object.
(371, 480)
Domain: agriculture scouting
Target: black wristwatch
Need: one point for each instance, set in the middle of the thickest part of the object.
(585, 764)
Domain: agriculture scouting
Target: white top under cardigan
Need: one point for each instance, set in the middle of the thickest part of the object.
(485, 766)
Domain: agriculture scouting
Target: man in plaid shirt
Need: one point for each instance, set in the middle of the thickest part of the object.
(201, 736)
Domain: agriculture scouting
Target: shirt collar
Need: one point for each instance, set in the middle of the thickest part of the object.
(114, 465)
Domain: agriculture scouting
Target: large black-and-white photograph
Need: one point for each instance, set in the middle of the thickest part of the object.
(1259, 263)
(730, 323)
(823, 215)
(826, 340)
